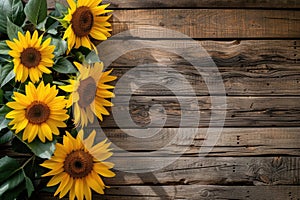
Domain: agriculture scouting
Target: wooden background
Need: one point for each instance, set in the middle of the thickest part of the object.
(256, 46)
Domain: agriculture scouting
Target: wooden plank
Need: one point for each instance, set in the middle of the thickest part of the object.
(209, 171)
(232, 53)
(241, 111)
(211, 23)
(248, 67)
(231, 142)
(196, 4)
(183, 80)
(196, 192)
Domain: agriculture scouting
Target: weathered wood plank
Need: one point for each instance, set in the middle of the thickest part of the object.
(196, 3)
(196, 192)
(231, 142)
(233, 53)
(248, 67)
(211, 23)
(241, 111)
(209, 171)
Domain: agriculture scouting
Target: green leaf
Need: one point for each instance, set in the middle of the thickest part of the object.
(3, 111)
(3, 124)
(36, 11)
(29, 185)
(60, 46)
(42, 150)
(14, 193)
(1, 96)
(12, 182)
(4, 49)
(12, 9)
(61, 9)
(7, 167)
(13, 179)
(64, 66)
(42, 25)
(47, 78)
(12, 30)
(7, 74)
(18, 145)
(8, 95)
(6, 137)
(92, 57)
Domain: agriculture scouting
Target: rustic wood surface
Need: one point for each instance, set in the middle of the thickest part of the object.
(248, 67)
(241, 111)
(137, 4)
(256, 46)
(214, 23)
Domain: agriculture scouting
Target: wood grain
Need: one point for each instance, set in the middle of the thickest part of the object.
(241, 111)
(210, 171)
(231, 142)
(213, 23)
(247, 67)
(195, 4)
(195, 192)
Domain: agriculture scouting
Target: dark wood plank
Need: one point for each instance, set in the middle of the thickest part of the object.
(241, 111)
(211, 23)
(196, 3)
(247, 67)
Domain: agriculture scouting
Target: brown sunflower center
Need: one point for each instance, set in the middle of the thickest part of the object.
(78, 164)
(82, 21)
(30, 57)
(87, 92)
(37, 112)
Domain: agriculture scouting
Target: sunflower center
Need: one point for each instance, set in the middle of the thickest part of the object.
(78, 164)
(82, 21)
(30, 57)
(37, 112)
(87, 92)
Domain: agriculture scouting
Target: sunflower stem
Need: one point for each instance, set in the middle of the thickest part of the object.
(27, 161)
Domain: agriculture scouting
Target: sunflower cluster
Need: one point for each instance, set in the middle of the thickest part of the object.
(52, 88)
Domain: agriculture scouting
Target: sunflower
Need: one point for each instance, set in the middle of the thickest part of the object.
(85, 18)
(76, 165)
(31, 57)
(39, 112)
(88, 93)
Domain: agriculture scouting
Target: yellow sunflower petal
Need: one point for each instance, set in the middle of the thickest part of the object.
(103, 170)
(72, 4)
(65, 190)
(79, 189)
(94, 182)
(55, 179)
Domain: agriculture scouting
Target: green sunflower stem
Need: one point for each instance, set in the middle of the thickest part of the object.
(27, 161)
